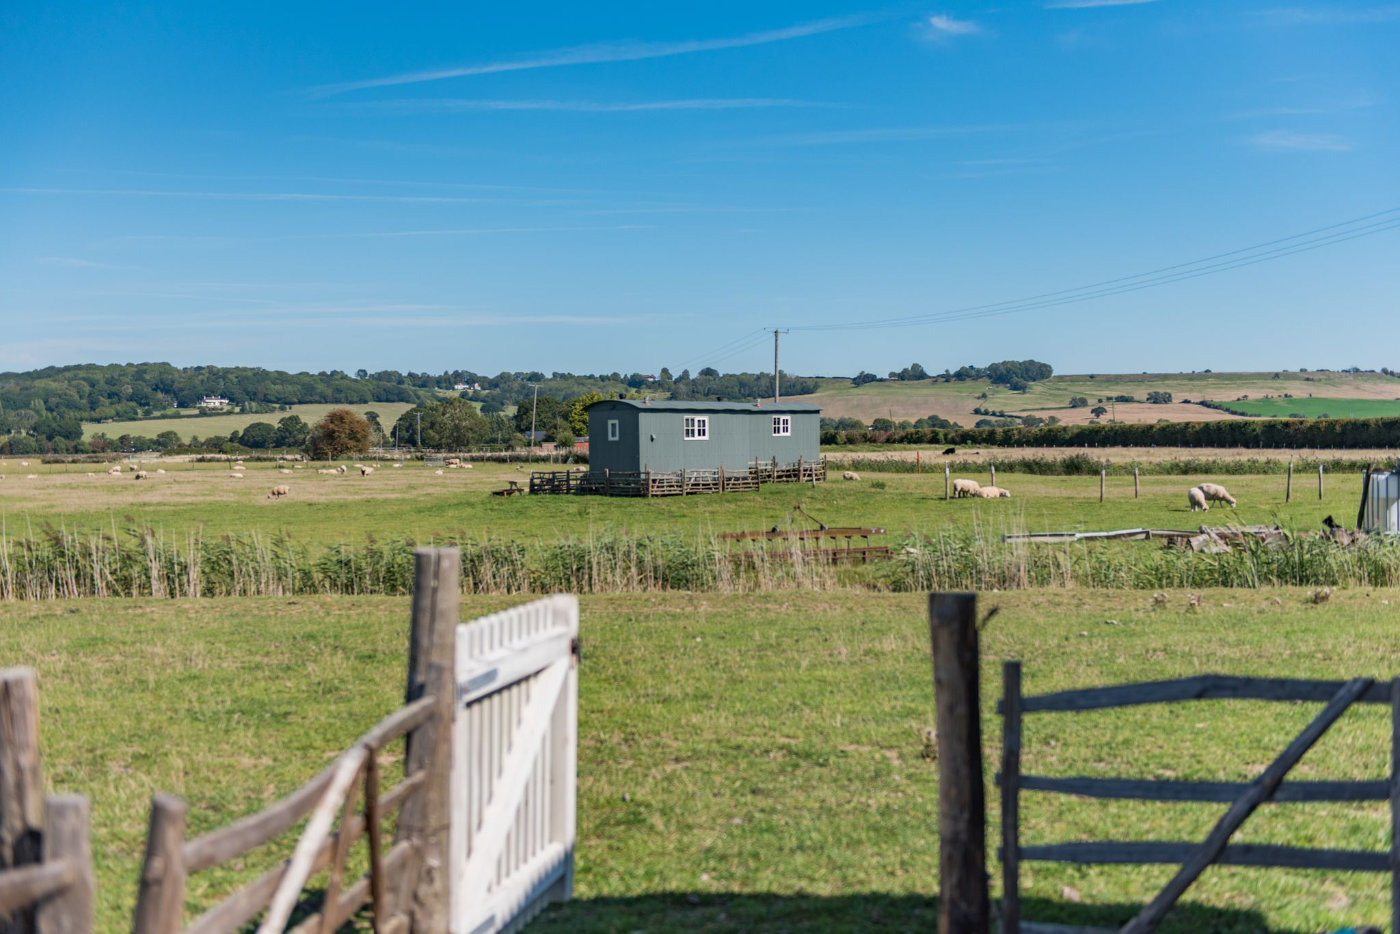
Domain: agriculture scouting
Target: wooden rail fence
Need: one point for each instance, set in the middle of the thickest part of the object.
(46, 876)
(1244, 797)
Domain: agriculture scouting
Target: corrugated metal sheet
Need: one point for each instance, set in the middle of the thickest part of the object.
(1382, 503)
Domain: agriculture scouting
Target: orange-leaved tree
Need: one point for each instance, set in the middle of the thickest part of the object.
(341, 432)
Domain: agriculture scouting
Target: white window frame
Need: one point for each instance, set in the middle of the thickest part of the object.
(697, 428)
(782, 426)
(613, 431)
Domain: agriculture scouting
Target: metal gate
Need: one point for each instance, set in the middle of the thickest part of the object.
(514, 764)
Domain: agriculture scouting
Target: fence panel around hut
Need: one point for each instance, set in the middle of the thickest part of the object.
(684, 482)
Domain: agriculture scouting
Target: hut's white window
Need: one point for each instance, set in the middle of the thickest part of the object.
(612, 429)
(782, 426)
(697, 428)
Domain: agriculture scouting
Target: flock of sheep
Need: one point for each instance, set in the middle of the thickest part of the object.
(1198, 497)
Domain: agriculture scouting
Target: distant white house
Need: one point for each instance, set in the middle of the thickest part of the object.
(213, 402)
(466, 387)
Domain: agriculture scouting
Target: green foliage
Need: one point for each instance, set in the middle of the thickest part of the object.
(1159, 397)
(578, 412)
(340, 433)
(292, 432)
(258, 435)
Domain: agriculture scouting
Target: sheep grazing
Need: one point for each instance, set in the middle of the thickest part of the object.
(850, 475)
(1216, 493)
(341, 468)
(24, 463)
(437, 473)
(32, 476)
(1196, 498)
(963, 488)
(283, 470)
(366, 471)
(279, 491)
(235, 476)
(453, 462)
(160, 470)
(140, 475)
(993, 492)
(398, 465)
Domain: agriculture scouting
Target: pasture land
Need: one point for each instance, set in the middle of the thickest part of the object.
(414, 502)
(205, 426)
(956, 400)
(1317, 408)
(746, 762)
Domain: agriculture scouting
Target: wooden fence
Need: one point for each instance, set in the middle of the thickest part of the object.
(1243, 798)
(46, 878)
(485, 831)
(686, 482)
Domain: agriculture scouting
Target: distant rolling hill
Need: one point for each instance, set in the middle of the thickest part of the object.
(1311, 394)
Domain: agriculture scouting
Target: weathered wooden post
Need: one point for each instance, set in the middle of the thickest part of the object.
(918, 462)
(1011, 797)
(962, 844)
(1288, 484)
(947, 489)
(21, 780)
(67, 836)
(721, 478)
(1103, 474)
(1395, 804)
(682, 481)
(1135, 482)
(1319, 481)
(994, 475)
(424, 893)
(160, 901)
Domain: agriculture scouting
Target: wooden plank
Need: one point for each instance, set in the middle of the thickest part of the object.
(963, 906)
(1237, 854)
(160, 902)
(1395, 805)
(219, 846)
(1200, 687)
(1010, 798)
(25, 886)
(1160, 790)
(1259, 791)
(21, 781)
(494, 671)
(67, 840)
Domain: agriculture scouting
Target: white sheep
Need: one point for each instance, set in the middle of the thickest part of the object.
(366, 471)
(341, 468)
(160, 470)
(31, 476)
(279, 491)
(331, 471)
(437, 473)
(1196, 497)
(993, 492)
(1216, 493)
(850, 475)
(398, 465)
(283, 470)
(235, 475)
(24, 463)
(963, 488)
(140, 475)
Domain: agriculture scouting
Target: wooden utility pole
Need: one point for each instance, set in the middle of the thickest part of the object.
(1135, 483)
(1103, 477)
(1288, 484)
(963, 906)
(1319, 481)
(776, 389)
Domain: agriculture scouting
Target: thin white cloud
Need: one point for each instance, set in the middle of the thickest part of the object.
(885, 135)
(1288, 141)
(1332, 15)
(940, 26)
(458, 105)
(605, 52)
(1089, 4)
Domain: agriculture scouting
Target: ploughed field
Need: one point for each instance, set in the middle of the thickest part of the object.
(746, 762)
(414, 502)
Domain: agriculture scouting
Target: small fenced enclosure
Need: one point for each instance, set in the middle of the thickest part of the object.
(686, 482)
(1243, 797)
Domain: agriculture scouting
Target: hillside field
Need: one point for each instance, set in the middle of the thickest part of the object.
(1317, 408)
(955, 401)
(203, 426)
(746, 762)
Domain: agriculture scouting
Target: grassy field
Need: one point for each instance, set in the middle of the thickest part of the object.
(956, 400)
(204, 426)
(745, 762)
(1317, 408)
(414, 502)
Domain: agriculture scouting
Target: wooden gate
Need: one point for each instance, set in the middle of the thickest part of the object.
(515, 746)
(1243, 797)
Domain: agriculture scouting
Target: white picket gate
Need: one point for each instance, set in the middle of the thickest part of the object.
(514, 765)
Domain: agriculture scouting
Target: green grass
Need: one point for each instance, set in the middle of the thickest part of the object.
(413, 502)
(205, 426)
(745, 762)
(1316, 408)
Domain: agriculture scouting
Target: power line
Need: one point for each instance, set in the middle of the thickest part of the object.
(1306, 241)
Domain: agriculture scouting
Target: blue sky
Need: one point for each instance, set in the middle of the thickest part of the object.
(591, 187)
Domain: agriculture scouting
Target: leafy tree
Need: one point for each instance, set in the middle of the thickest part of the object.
(341, 432)
(292, 432)
(1158, 397)
(578, 412)
(1078, 402)
(453, 424)
(551, 410)
(168, 439)
(709, 372)
(882, 424)
(259, 435)
(861, 378)
(1098, 411)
